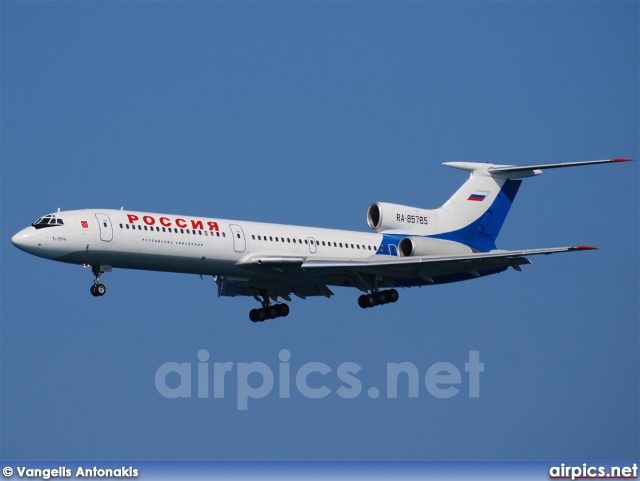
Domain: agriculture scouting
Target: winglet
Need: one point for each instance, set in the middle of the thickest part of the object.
(620, 160)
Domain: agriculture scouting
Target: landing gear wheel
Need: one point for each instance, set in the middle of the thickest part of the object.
(378, 298)
(381, 298)
(283, 310)
(257, 315)
(93, 291)
(393, 295)
(364, 301)
(100, 289)
(269, 312)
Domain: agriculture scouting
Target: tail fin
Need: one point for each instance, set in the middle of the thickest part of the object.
(475, 214)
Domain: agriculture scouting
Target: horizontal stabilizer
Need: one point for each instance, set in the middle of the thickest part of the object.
(529, 170)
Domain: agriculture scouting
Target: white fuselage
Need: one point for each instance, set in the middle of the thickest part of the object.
(187, 244)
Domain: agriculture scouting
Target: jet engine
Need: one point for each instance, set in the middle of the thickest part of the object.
(428, 246)
(383, 216)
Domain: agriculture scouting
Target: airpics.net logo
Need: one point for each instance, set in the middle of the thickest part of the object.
(312, 380)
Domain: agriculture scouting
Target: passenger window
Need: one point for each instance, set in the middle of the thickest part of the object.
(289, 240)
(121, 226)
(127, 226)
(253, 237)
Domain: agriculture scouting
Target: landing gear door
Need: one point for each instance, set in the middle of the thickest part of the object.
(106, 229)
(239, 242)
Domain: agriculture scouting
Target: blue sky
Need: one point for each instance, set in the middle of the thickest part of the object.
(306, 113)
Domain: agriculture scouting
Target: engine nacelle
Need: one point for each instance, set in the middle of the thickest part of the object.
(383, 216)
(428, 246)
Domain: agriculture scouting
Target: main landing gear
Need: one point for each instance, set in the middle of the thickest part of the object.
(267, 311)
(377, 298)
(97, 289)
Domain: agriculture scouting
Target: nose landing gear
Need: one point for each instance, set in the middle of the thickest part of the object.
(98, 289)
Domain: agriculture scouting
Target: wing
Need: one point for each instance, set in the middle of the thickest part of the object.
(308, 276)
(272, 277)
(402, 271)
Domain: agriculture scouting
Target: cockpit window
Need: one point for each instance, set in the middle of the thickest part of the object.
(47, 221)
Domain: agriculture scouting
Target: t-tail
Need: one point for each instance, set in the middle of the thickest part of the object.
(470, 220)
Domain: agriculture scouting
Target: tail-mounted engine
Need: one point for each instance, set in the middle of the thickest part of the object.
(383, 216)
(428, 246)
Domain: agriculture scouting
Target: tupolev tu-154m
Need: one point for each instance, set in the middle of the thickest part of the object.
(409, 246)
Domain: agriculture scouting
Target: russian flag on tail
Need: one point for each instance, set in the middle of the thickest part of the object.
(478, 196)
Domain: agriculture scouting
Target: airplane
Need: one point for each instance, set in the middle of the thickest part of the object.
(409, 246)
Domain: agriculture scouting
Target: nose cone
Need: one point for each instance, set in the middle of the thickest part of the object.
(26, 240)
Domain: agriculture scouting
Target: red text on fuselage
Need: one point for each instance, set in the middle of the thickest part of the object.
(182, 223)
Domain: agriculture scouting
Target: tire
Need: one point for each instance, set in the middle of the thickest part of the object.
(283, 310)
(371, 300)
(93, 291)
(101, 290)
(382, 297)
(393, 295)
(363, 302)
